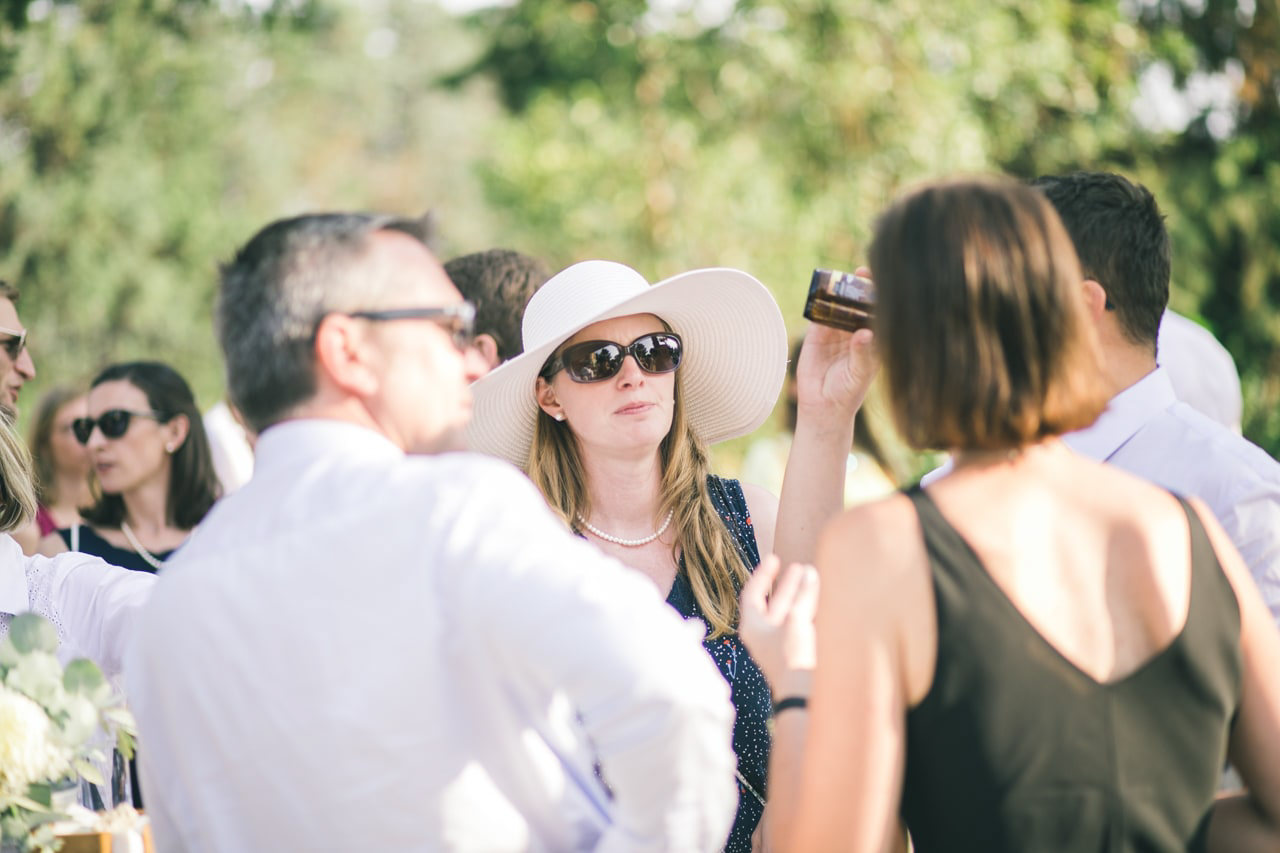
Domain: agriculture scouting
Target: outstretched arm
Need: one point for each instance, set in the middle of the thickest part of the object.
(97, 603)
(835, 370)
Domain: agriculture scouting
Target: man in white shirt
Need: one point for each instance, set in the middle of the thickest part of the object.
(370, 647)
(1119, 233)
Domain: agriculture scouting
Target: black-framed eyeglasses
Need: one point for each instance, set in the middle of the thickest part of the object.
(113, 423)
(594, 361)
(15, 343)
(459, 319)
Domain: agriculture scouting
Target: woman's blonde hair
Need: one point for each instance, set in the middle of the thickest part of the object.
(17, 492)
(712, 560)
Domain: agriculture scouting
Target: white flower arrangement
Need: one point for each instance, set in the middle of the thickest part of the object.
(49, 717)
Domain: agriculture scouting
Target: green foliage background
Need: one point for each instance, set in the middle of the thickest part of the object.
(141, 140)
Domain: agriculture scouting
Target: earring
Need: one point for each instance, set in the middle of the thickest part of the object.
(559, 416)
(169, 448)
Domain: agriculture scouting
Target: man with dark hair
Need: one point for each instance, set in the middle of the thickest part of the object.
(1119, 234)
(372, 646)
(499, 283)
(16, 367)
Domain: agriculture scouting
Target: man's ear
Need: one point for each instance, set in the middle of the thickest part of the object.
(546, 397)
(488, 349)
(342, 355)
(1095, 299)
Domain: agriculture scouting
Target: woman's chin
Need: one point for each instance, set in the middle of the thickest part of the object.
(109, 486)
(640, 441)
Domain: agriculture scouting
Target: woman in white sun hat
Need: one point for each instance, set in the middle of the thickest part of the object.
(621, 388)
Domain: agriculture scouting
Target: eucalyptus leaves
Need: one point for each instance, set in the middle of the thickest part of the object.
(50, 721)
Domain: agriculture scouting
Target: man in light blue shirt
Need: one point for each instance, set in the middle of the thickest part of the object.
(1124, 249)
(377, 644)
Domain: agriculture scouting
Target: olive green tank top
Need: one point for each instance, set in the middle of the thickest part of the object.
(1016, 749)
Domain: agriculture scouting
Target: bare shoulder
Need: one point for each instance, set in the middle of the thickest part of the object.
(874, 571)
(874, 556)
(1106, 485)
(1128, 506)
(880, 533)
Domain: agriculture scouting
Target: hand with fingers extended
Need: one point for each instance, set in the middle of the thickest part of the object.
(836, 367)
(777, 626)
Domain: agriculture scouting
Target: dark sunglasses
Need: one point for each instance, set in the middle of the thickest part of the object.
(113, 423)
(593, 361)
(459, 320)
(15, 343)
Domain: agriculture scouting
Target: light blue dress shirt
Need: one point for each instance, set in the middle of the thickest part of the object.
(1146, 431)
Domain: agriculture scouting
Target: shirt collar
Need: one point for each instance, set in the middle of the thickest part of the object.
(306, 438)
(1126, 413)
(15, 598)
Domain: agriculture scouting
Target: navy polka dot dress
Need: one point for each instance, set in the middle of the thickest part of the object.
(748, 689)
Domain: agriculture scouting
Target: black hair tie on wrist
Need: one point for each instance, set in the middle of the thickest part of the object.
(790, 702)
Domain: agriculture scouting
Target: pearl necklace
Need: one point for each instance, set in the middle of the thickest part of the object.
(147, 557)
(627, 543)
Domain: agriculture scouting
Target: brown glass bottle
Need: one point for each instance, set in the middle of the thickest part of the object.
(840, 299)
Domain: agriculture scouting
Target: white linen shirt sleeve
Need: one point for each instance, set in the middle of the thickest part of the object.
(93, 604)
(559, 613)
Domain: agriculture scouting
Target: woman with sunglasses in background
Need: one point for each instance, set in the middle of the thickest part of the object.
(61, 461)
(620, 390)
(153, 469)
(61, 471)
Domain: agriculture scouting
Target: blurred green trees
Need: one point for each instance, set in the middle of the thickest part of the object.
(1219, 179)
(767, 134)
(141, 140)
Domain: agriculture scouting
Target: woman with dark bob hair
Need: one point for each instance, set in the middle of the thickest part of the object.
(154, 478)
(1037, 651)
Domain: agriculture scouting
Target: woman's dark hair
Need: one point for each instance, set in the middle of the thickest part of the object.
(193, 485)
(41, 439)
(981, 326)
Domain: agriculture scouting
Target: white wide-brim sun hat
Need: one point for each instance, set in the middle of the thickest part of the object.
(734, 362)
